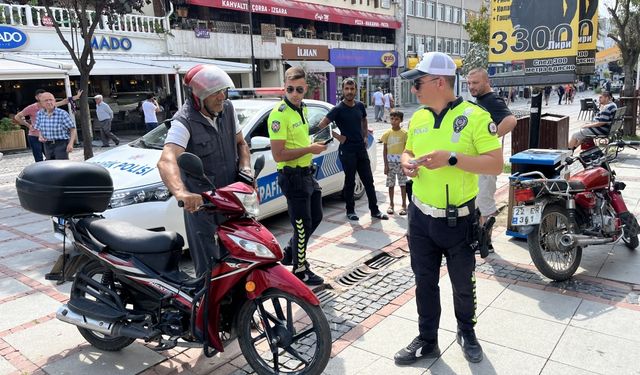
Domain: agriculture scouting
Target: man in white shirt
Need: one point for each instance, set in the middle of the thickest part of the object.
(378, 104)
(150, 107)
(388, 104)
(104, 113)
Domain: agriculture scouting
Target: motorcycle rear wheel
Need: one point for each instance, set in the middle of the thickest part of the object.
(553, 262)
(301, 329)
(96, 271)
(630, 230)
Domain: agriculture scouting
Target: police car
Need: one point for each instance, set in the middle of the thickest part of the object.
(141, 198)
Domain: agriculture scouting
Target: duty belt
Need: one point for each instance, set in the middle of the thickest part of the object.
(463, 210)
(298, 170)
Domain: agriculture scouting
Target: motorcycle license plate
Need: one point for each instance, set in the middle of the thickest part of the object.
(526, 215)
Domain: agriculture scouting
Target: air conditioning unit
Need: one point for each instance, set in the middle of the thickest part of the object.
(288, 35)
(269, 65)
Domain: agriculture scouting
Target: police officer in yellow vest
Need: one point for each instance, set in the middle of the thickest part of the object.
(450, 141)
(292, 149)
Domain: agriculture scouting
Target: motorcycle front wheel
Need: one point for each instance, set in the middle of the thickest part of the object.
(280, 333)
(630, 230)
(551, 259)
(96, 271)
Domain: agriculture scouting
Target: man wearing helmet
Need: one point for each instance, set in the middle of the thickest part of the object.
(292, 149)
(207, 126)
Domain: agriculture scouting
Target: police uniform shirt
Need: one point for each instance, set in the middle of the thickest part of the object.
(349, 121)
(463, 127)
(288, 123)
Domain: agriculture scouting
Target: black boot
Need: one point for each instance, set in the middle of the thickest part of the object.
(418, 348)
(287, 259)
(306, 276)
(470, 345)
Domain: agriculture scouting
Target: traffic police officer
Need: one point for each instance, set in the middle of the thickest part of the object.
(449, 142)
(292, 149)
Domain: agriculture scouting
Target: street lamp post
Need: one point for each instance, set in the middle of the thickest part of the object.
(253, 57)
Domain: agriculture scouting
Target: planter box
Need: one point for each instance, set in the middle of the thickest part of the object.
(12, 140)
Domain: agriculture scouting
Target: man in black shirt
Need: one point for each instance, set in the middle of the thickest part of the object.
(479, 87)
(351, 118)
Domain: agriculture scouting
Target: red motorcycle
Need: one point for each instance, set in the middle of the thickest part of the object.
(131, 287)
(562, 216)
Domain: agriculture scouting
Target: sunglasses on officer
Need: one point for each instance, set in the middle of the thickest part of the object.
(299, 89)
(418, 82)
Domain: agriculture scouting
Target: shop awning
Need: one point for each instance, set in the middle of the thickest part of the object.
(308, 11)
(184, 64)
(313, 66)
(110, 67)
(16, 68)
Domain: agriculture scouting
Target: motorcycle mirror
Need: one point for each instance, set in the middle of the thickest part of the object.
(191, 164)
(258, 166)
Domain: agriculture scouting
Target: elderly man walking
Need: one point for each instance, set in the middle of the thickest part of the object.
(105, 116)
(57, 130)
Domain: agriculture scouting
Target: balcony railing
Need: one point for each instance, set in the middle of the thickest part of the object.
(37, 16)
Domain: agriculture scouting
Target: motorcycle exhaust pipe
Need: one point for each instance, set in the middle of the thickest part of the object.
(68, 316)
(108, 328)
(570, 240)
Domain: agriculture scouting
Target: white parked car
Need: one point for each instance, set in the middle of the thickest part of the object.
(141, 198)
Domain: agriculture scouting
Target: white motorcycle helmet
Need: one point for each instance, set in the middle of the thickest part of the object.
(204, 80)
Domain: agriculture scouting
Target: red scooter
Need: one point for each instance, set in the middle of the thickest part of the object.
(132, 288)
(562, 216)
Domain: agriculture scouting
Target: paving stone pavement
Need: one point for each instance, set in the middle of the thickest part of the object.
(526, 323)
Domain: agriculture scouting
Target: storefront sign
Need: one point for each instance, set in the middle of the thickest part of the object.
(11, 38)
(111, 43)
(356, 58)
(305, 52)
(305, 10)
(202, 33)
(388, 59)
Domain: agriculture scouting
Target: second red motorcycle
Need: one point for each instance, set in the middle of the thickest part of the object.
(563, 216)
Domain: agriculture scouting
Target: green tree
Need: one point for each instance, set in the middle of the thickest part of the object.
(477, 27)
(75, 25)
(625, 17)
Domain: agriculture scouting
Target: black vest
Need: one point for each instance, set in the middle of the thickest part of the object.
(216, 148)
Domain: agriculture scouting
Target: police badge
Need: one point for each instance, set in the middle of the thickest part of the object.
(458, 124)
(275, 126)
(493, 128)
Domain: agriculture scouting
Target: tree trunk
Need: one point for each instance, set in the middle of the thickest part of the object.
(629, 127)
(85, 116)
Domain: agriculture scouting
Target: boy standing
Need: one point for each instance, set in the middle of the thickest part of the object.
(394, 141)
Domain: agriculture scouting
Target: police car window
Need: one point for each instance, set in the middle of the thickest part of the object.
(153, 139)
(316, 114)
(261, 129)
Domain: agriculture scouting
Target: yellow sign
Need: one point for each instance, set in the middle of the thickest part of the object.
(540, 29)
(412, 62)
(588, 24)
(388, 59)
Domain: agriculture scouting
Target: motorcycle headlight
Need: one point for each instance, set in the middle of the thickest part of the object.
(149, 193)
(250, 202)
(252, 247)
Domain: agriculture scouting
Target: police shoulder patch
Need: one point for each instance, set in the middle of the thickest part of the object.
(275, 126)
(282, 107)
(493, 128)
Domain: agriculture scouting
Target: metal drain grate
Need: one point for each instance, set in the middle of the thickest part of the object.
(368, 269)
(326, 295)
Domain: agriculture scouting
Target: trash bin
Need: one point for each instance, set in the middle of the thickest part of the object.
(535, 159)
(554, 131)
(520, 135)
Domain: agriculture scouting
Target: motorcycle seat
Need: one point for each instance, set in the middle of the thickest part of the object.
(124, 237)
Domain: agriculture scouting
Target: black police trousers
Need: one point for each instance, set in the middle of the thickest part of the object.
(429, 239)
(304, 202)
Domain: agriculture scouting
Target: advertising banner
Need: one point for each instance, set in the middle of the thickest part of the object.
(543, 33)
(587, 37)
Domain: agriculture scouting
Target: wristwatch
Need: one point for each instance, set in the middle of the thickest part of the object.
(453, 158)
